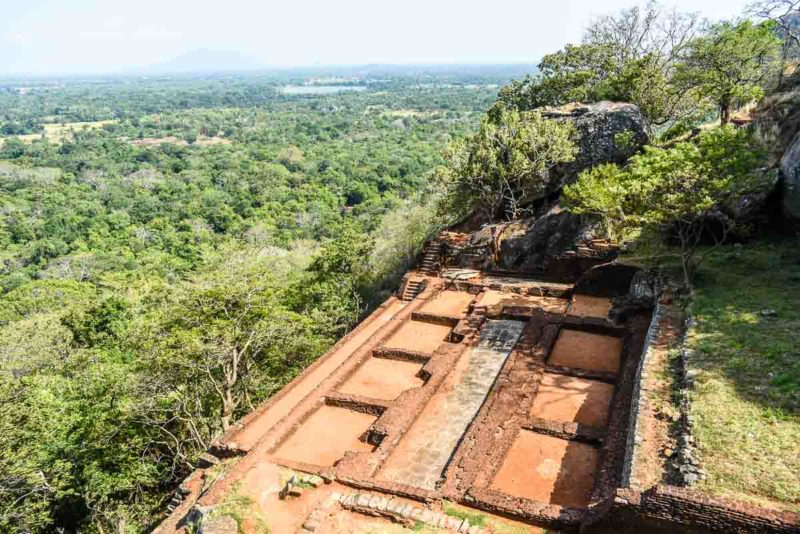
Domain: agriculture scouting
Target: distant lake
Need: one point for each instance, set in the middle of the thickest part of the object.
(319, 89)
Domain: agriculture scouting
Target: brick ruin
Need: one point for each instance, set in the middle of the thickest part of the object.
(513, 396)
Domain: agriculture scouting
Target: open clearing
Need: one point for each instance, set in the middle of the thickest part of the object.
(586, 306)
(570, 399)
(58, 132)
(746, 402)
(418, 337)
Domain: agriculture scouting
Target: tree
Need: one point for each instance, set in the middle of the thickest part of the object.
(680, 190)
(627, 57)
(730, 64)
(222, 328)
(502, 166)
(786, 16)
(577, 73)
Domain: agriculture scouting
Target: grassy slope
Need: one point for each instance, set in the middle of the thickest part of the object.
(747, 399)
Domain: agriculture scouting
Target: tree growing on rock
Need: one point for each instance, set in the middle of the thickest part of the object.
(730, 65)
(786, 16)
(505, 164)
(679, 191)
(625, 57)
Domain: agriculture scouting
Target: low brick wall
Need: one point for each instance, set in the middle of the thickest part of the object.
(673, 509)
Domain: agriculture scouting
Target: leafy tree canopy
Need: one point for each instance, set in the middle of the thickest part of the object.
(678, 189)
(503, 166)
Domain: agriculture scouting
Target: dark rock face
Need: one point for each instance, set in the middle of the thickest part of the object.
(790, 187)
(529, 244)
(752, 207)
(599, 141)
(609, 280)
(555, 243)
(558, 244)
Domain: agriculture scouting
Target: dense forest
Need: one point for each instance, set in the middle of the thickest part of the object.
(175, 250)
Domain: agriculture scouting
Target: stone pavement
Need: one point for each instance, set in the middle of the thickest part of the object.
(423, 453)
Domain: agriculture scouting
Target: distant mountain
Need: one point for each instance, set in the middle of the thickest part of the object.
(205, 60)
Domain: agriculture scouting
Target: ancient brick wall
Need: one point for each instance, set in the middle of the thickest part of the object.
(673, 509)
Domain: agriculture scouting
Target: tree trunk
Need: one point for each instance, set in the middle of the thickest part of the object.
(225, 418)
(228, 405)
(725, 112)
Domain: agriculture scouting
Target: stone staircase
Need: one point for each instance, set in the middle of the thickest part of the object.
(431, 258)
(412, 289)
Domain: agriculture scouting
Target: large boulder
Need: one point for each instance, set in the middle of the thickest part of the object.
(790, 186)
(555, 243)
(606, 132)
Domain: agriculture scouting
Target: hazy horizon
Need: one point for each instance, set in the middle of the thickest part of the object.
(45, 37)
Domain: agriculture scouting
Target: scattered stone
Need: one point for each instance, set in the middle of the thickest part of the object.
(382, 504)
(454, 523)
(311, 525)
(668, 452)
(206, 460)
(219, 525)
(287, 488)
(394, 506)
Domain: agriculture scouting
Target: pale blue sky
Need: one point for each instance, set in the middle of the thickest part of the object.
(60, 36)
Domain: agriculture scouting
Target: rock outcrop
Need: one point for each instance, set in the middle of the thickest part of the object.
(556, 242)
(790, 185)
(607, 132)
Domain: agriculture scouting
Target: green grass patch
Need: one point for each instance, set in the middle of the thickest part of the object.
(493, 523)
(240, 507)
(746, 402)
(454, 510)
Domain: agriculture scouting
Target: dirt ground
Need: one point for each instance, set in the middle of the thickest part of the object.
(263, 484)
(450, 303)
(584, 350)
(381, 378)
(586, 306)
(279, 409)
(548, 469)
(418, 337)
(340, 521)
(325, 436)
(566, 398)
